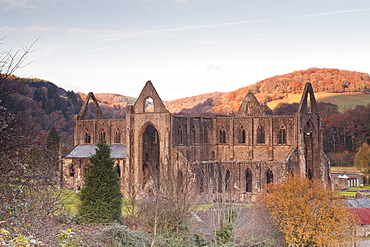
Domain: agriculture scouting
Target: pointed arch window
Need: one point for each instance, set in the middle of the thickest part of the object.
(269, 176)
(180, 135)
(71, 171)
(222, 135)
(148, 105)
(193, 134)
(227, 181)
(241, 135)
(282, 135)
(205, 134)
(118, 170)
(117, 136)
(87, 136)
(248, 180)
(102, 135)
(249, 109)
(260, 135)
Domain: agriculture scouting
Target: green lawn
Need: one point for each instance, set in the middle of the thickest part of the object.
(345, 193)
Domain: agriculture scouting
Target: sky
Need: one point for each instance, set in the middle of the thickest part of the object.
(185, 47)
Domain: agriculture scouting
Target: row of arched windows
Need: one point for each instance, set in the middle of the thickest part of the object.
(102, 137)
(195, 137)
(261, 135)
(227, 180)
(72, 170)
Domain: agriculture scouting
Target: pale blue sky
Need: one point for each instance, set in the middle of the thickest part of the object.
(185, 47)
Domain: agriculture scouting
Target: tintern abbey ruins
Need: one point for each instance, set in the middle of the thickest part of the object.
(238, 154)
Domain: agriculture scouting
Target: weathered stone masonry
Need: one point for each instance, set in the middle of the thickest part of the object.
(238, 155)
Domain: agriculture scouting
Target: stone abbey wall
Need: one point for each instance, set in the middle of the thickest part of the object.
(236, 155)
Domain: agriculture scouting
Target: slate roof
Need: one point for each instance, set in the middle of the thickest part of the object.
(85, 151)
(359, 202)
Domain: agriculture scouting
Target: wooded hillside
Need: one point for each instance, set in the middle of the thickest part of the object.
(47, 105)
(278, 88)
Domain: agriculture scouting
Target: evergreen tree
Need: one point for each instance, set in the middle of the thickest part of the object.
(101, 196)
(52, 140)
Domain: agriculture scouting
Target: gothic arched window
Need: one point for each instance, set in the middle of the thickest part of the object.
(269, 176)
(241, 135)
(118, 170)
(222, 135)
(282, 135)
(180, 135)
(249, 109)
(205, 134)
(148, 105)
(248, 180)
(260, 135)
(193, 134)
(117, 136)
(102, 135)
(87, 136)
(227, 181)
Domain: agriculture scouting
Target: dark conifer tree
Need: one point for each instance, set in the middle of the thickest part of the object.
(101, 196)
(53, 140)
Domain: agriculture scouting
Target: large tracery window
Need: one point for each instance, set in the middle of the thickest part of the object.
(102, 135)
(282, 135)
(222, 135)
(87, 136)
(241, 135)
(260, 135)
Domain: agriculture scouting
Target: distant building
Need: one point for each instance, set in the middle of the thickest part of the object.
(347, 180)
(238, 155)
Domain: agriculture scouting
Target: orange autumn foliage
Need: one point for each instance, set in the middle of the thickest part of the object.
(308, 214)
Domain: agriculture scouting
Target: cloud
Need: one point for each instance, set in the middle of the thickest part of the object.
(33, 28)
(215, 68)
(339, 12)
(19, 4)
(115, 35)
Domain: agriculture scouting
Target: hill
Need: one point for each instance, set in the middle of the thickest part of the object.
(47, 105)
(342, 87)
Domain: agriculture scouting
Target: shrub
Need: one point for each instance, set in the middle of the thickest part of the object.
(122, 236)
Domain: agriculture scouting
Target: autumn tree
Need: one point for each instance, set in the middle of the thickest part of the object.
(308, 214)
(362, 159)
(101, 196)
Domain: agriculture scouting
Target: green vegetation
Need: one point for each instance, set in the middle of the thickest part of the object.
(345, 193)
(101, 196)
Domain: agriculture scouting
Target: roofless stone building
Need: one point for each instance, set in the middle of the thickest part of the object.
(235, 154)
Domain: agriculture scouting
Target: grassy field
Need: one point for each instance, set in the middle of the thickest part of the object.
(340, 169)
(343, 100)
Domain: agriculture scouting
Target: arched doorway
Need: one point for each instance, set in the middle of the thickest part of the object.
(150, 155)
